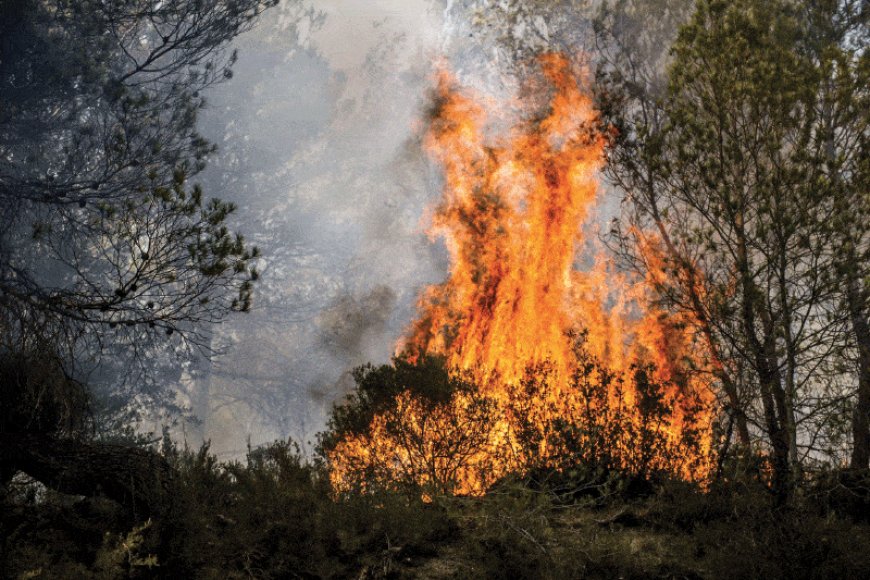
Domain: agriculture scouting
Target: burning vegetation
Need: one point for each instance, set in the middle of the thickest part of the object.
(554, 410)
(528, 356)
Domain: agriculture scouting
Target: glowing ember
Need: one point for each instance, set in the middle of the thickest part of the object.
(509, 314)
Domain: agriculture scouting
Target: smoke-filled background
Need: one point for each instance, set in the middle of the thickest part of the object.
(319, 146)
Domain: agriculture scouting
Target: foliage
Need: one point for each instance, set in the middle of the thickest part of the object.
(271, 516)
(274, 516)
(412, 425)
(105, 246)
(727, 168)
(377, 388)
(417, 426)
(121, 556)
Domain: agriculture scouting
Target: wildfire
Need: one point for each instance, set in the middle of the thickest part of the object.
(566, 361)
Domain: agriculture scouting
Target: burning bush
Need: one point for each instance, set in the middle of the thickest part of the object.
(631, 392)
(415, 426)
(606, 421)
(412, 426)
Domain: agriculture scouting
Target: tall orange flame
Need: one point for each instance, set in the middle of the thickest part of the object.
(512, 217)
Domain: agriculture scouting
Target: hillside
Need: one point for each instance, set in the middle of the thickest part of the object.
(273, 517)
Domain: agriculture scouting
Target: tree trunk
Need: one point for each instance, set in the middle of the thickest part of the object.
(136, 478)
(780, 431)
(861, 419)
(737, 413)
(763, 358)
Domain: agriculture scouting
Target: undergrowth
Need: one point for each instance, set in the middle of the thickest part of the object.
(273, 515)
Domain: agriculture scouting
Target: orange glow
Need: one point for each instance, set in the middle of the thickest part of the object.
(518, 316)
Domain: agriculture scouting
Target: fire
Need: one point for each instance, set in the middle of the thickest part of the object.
(547, 344)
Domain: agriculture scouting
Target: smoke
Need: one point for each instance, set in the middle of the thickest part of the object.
(348, 324)
(317, 133)
(319, 147)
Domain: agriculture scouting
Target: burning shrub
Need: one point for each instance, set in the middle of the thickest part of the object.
(414, 426)
(606, 421)
(635, 396)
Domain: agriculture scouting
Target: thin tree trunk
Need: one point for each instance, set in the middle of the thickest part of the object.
(790, 360)
(861, 418)
(737, 411)
(773, 401)
(764, 360)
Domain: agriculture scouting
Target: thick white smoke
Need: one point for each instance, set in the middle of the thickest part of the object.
(318, 134)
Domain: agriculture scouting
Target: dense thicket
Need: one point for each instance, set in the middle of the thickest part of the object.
(272, 516)
(418, 426)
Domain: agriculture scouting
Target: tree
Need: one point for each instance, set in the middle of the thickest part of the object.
(633, 40)
(103, 239)
(106, 249)
(725, 176)
(837, 45)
